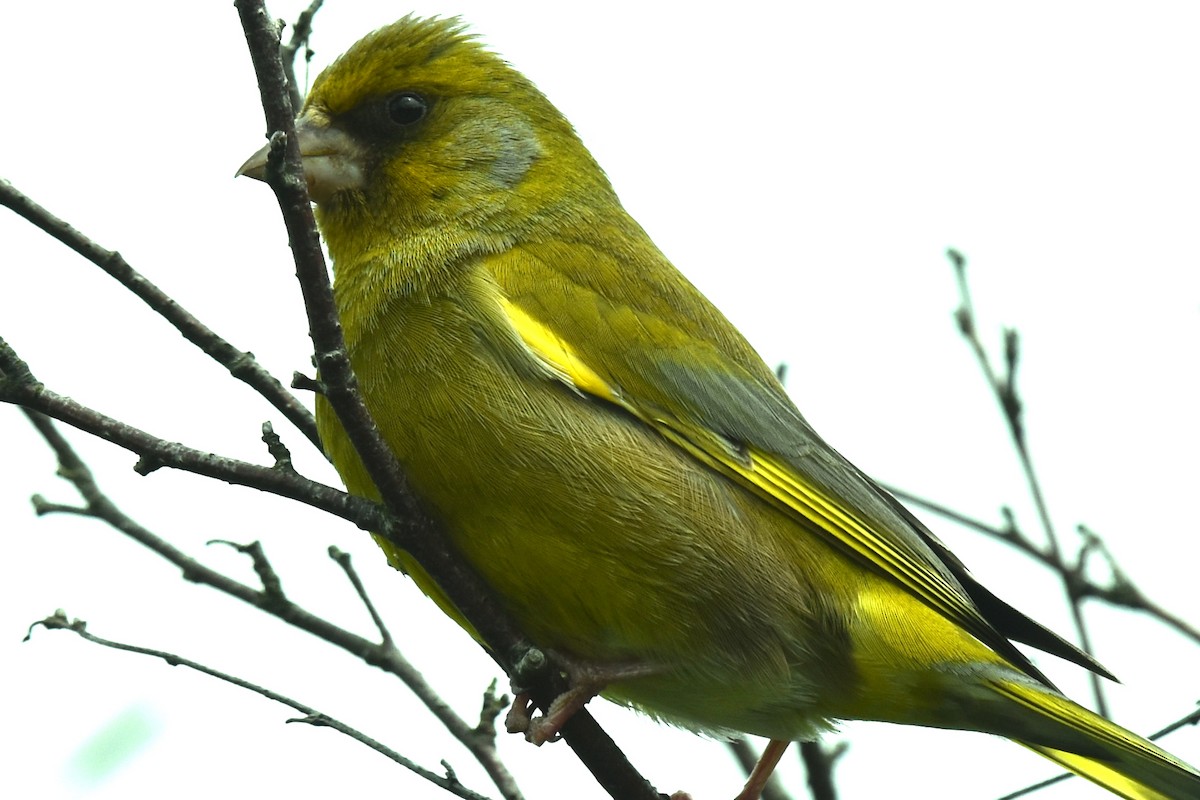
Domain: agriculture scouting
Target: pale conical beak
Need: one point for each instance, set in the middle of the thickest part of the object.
(332, 160)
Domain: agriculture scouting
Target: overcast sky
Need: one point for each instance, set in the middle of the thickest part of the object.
(805, 164)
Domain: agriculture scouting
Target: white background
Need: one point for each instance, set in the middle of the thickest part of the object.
(806, 165)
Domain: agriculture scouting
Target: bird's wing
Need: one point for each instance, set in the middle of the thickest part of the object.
(654, 346)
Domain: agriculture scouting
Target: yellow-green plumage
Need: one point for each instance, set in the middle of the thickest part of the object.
(614, 458)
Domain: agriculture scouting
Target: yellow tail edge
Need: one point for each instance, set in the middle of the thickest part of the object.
(1101, 751)
(1102, 775)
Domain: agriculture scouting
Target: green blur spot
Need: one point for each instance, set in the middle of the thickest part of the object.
(113, 746)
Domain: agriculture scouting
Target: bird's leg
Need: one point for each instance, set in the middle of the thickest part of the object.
(758, 777)
(763, 769)
(520, 714)
(585, 681)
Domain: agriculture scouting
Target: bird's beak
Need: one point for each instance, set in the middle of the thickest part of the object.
(332, 159)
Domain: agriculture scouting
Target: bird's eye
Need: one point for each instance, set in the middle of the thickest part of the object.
(407, 108)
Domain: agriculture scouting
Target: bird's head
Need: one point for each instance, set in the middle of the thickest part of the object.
(418, 126)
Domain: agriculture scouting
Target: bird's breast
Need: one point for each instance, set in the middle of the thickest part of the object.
(605, 541)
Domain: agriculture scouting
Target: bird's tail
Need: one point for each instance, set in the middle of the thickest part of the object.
(1092, 747)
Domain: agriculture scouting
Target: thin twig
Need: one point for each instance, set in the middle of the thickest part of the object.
(414, 528)
(1121, 591)
(489, 711)
(278, 450)
(311, 716)
(1037, 787)
(19, 387)
(819, 762)
(241, 364)
(270, 599)
(342, 559)
(301, 31)
(272, 585)
(956, 516)
(1005, 390)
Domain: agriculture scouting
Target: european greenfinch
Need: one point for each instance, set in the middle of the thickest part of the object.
(614, 458)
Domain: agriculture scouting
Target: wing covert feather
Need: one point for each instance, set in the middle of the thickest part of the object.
(697, 381)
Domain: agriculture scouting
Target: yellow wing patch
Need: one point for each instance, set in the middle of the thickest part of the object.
(779, 484)
(559, 356)
(763, 473)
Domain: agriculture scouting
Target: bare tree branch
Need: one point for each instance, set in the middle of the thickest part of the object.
(301, 31)
(819, 762)
(19, 387)
(414, 528)
(272, 599)
(480, 739)
(311, 716)
(1005, 390)
(1120, 591)
(241, 364)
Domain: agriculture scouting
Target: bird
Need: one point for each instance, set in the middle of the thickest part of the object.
(613, 457)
